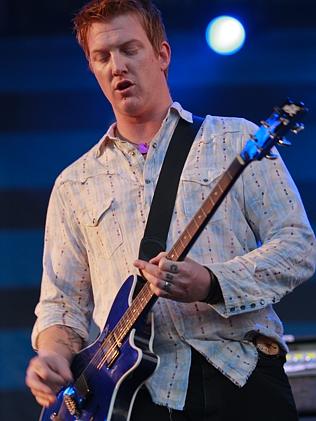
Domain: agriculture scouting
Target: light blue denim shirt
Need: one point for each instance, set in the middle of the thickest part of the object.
(259, 244)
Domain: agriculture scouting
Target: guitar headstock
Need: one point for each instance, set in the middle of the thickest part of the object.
(273, 129)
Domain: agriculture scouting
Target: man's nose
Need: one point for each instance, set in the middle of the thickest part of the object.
(118, 65)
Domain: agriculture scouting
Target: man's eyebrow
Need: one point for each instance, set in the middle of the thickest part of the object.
(131, 41)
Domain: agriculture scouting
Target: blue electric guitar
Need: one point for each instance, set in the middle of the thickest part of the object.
(109, 373)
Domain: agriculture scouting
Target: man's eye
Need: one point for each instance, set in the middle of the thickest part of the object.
(102, 58)
(130, 51)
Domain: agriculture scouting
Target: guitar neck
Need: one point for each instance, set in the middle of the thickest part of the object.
(146, 298)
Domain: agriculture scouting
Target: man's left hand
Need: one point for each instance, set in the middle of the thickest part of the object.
(186, 281)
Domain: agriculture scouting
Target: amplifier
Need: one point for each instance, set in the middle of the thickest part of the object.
(300, 367)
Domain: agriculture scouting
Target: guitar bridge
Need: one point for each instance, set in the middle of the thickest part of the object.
(73, 402)
(71, 405)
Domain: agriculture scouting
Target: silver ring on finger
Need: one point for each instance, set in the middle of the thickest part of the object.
(167, 286)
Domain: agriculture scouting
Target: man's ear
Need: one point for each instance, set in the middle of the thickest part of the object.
(164, 56)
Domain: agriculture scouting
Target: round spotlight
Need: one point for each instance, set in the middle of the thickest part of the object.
(225, 35)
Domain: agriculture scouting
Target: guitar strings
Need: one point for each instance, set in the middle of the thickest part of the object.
(109, 344)
(123, 327)
(113, 340)
(109, 348)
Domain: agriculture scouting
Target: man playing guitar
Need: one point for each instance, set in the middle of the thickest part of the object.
(218, 339)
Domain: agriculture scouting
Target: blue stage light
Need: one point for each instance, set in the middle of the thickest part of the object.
(225, 35)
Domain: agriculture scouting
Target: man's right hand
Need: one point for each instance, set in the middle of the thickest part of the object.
(47, 373)
(50, 370)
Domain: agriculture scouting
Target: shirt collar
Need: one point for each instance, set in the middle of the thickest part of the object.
(110, 136)
(186, 115)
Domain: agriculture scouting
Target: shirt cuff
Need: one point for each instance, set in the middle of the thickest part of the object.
(215, 293)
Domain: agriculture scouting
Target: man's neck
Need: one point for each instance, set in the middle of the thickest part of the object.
(141, 129)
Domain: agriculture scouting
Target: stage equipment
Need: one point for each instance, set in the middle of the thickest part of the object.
(301, 370)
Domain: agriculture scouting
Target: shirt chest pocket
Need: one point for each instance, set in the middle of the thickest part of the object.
(196, 187)
(103, 231)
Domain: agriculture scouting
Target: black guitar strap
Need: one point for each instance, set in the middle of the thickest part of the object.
(159, 218)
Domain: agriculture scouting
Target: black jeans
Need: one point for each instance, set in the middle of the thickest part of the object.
(211, 396)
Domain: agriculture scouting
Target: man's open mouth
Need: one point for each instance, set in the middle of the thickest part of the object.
(122, 86)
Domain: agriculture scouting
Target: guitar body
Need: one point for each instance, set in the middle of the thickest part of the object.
(108, 392)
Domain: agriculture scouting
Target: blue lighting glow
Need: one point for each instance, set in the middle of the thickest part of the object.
(225, 35)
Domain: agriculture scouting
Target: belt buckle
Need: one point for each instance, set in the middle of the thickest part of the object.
(267, 346)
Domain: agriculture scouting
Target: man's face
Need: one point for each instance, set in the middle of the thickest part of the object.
(130, 73)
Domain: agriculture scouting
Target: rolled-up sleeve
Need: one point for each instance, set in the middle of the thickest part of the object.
(286, 252)
(66, 297)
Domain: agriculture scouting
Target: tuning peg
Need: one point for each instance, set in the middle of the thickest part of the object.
(272, 156)
(284, 142)
(284, 121)
(298, 127)
(265, 124)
